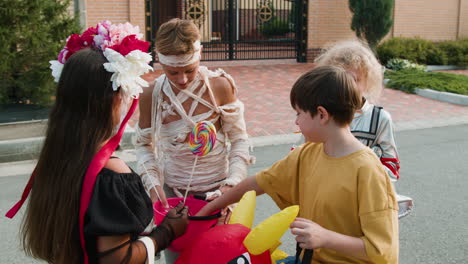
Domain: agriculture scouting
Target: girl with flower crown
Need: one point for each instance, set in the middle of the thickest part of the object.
(185, 94)
(87, 206)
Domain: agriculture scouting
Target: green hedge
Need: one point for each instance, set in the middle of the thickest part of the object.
(409, 80)
(425, 51)
(275, 27)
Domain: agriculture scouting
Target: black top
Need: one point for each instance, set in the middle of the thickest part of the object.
(119, 205)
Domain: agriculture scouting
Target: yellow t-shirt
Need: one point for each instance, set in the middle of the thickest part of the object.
(351, 195)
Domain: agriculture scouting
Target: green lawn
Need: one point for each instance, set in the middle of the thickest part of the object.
(408, 81)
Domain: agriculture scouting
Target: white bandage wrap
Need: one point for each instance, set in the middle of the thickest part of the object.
(182, 60)
(150, 249)
(148, 165)
(162, 152)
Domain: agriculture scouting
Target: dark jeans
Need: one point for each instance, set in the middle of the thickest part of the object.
(288, 260)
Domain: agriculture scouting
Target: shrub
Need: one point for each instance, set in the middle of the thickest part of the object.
(457, 52)
(31, 34)
(402, 64)
(404, 48)
(371, 19)
(424, 51)
(409, 80)
(275, 27)
(436, 56)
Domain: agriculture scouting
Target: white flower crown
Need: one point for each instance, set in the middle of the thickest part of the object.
(121, 45)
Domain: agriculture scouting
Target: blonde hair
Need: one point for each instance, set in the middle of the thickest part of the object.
(356, 55)
(176, 37)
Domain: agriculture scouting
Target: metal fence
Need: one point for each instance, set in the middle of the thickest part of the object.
(239, 29)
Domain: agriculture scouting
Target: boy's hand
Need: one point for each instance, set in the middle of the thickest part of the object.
(308, 234)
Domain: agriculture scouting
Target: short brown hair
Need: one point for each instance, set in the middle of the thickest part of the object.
(176, 37)
(330, 87)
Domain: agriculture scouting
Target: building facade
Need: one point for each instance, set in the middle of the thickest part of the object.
(242, 29)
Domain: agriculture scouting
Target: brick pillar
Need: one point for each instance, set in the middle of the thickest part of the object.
(137, 13)
(328, 21)
(312, 53)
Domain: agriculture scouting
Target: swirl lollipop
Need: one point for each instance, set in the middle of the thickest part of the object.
(201, 141)
(203, 138)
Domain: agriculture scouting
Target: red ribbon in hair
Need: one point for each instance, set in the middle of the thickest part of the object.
(96, 165)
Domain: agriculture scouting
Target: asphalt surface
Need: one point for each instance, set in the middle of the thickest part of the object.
(434, 173)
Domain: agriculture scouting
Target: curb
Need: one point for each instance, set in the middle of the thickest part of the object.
(453, 98)
(16, 163)
(443, 96)
(20, 149)
(444, 67)
(29, 148)
(10, 167)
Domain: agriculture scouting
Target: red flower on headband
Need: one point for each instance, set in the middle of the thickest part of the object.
(130, 43)
(74, 44)
(87, 38)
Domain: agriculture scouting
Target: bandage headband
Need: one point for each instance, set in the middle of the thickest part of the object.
(181, 60)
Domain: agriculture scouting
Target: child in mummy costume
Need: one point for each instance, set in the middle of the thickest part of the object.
(184, 95)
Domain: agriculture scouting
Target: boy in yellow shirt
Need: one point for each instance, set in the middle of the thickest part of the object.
(348, 210)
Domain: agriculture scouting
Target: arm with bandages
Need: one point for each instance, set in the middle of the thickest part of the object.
(149, 165)
(234, 127)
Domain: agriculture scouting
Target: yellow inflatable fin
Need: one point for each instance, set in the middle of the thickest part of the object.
(266, 234)
(275, 246)
(278, 255)
(244, 211)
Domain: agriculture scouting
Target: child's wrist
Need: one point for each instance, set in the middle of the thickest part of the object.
(328, 238)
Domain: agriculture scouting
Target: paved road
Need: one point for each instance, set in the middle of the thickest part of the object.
(434, 172)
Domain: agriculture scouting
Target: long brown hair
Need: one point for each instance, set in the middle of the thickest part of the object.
(80, 121)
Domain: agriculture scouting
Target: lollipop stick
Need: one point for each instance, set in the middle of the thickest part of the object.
(190, 179)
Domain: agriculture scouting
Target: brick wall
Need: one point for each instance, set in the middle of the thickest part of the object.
(117, 11)
(428, 19)
(137, 13)
(328, 21)
(463, 24)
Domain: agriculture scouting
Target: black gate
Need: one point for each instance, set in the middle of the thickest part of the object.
(239, 29)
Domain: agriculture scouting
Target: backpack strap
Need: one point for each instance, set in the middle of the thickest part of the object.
(307, 258)
(370, 135)
(375, 119)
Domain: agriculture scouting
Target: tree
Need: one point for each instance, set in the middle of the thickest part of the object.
(32, 32)
(372, 19)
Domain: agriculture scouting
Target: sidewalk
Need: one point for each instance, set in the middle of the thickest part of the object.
(264, 88)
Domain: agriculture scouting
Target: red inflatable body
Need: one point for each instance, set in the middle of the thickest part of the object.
(222, 245)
